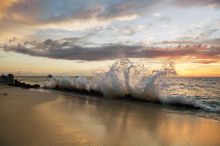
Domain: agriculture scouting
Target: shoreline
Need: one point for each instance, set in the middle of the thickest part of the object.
(30, 117)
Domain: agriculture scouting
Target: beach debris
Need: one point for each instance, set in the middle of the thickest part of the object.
(10, 81)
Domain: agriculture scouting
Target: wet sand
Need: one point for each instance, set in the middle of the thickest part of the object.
(45, 118)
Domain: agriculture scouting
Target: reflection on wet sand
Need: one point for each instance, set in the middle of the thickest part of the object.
(84, 120)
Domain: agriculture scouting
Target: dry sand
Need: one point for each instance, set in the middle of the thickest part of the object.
(36, 118)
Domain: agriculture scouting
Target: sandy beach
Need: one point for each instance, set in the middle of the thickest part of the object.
(29, 117)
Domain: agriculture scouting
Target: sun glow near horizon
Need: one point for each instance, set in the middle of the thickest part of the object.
(44, 66)
(52, 36)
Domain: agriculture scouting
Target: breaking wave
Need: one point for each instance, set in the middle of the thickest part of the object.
(126, 79)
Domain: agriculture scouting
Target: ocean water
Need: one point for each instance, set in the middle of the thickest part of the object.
(126, 79)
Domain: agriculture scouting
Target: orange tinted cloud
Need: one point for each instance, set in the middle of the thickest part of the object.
(71, 49)
(4, 4)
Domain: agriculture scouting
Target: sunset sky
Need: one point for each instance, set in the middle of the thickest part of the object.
(71, 37)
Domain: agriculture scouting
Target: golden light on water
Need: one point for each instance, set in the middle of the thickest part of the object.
(94, 122)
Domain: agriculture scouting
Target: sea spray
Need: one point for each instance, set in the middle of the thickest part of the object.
(129, 79)
(123, 79)
(126, 79)
(75, 84)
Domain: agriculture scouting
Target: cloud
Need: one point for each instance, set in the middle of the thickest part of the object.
(68, 49)
(128, 30)
(45, 11)
(4, 4)
(54, 11)
(16, 16)
(128, 7)
(190, 3)
(157, 14)
(51, 11)
(206, 34)
(213, 42)
(206, 61)
(24, 18)
(165, 19)
(202, 31)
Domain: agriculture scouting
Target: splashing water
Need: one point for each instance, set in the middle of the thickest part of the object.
(126, 79)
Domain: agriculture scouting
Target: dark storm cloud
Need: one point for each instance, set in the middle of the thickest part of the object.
(64, 49)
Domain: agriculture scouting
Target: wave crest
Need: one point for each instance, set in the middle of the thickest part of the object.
(126, 79)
